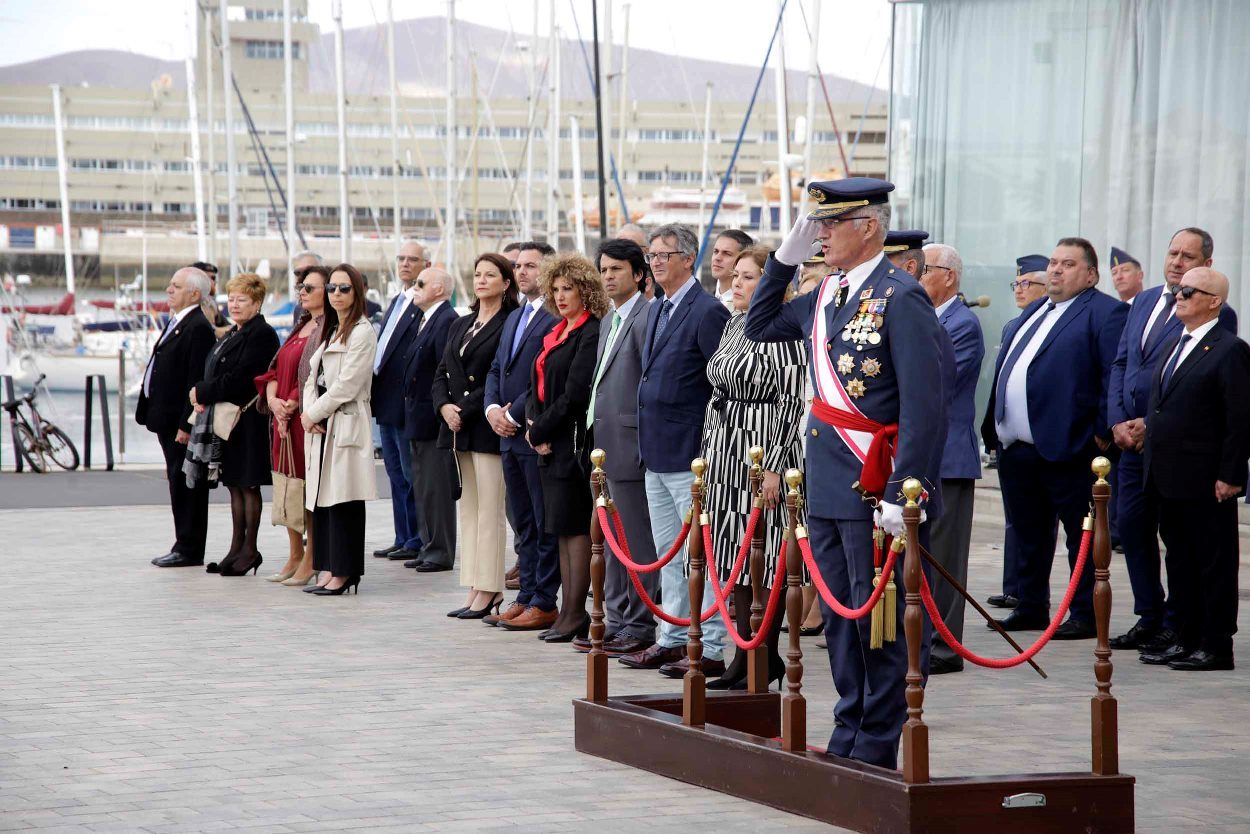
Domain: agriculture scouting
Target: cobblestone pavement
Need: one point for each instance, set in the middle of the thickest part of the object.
(139, 699)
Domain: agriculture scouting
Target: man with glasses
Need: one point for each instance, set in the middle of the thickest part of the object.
(682, 333)
(875, 356)
(1152, 324)
(1197, 442)
(1030, 283)
(399, 328)
(1048, 409)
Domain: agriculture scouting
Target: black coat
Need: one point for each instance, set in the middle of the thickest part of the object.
(461, 380)
(560, 419)
(177, 363)
(1198, 428)
(230, 374)
(421, 421)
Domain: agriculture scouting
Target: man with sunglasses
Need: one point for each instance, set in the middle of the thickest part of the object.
(399, 328)
(1152, 324)
(1197, 443)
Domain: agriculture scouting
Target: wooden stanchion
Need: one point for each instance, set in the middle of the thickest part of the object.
(757, 658)
(597, 659)
(1103, 708)
(915, 732)
(694, 684)
(793, 704)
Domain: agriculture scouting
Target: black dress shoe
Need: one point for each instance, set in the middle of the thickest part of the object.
(943, 666)
(431, 567)
(1203, 661)
(383, 552)
(1075, 630)
(164, 555)
(1134, 637)
(1166, 657)
(1019, 621)
(1165, 638)
(399, 554)
(1003, 601)
(177, 560)
(414, 563)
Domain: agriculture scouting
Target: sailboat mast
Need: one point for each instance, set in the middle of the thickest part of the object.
(579, 211)
(450, 163)
(232, 194)
(553, 139)
(390, 56)
(600, 138)
(340, 84)
(288, 60)
(783, 122)
(212, 133)
(527, 222)
(62, 175)
(193, 125)
(813, 80)
(605, 81)
(622, 83)
(707, 138)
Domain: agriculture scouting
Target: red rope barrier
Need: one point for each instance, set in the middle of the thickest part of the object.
(926, 596)
(841, 610)
(621, 550)
(769, 611)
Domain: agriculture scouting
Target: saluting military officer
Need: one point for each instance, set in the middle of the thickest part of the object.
(875, 352)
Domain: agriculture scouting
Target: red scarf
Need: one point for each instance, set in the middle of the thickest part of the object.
(549, 343)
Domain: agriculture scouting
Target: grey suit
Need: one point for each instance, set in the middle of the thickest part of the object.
(615, 430)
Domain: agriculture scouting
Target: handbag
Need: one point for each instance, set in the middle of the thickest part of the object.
(226, 416)
(288, 491)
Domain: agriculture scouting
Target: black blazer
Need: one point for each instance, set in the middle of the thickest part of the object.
(560, 419)
(461, 380)
(421, 421)
(1198, 428)
(177, 362)
(233, 364)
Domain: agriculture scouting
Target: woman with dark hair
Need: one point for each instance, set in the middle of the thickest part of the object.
(338, 453)
(458, 391)
(556, 419)
(244, 351)
(279, 389)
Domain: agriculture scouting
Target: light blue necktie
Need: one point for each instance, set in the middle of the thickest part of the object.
(391, 323)
(526, 312)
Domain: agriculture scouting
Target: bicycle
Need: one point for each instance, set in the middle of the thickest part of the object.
(36, 437)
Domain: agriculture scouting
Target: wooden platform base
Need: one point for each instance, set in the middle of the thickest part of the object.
(736, 753)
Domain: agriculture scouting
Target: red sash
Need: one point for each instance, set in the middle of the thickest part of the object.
(879, 462)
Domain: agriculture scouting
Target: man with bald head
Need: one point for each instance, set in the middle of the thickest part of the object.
(176, 364)
(634, 232)
(433, 469)
(1197, 443)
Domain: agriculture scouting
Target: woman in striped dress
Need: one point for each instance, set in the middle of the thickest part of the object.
(757, 400)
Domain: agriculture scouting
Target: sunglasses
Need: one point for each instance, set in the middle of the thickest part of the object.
(420, 283)
(338, 288)
(1188, 292)
(302, 287)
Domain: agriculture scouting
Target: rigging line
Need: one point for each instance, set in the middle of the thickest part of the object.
(837, 134)
(868, 101)
(463, 171)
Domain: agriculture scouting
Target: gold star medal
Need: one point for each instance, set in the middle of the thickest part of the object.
(855, 387)
(846, 364)
(870, 367)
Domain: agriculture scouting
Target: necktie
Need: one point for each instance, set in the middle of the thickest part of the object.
(1174, 361)
(526, 312)
(662, 322)
(1000, 392)
(147, 375)
(1156, 330)
(603, 360)
(397, 313)
(844, 288)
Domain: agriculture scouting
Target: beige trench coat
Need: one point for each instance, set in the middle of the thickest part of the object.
(346, 472)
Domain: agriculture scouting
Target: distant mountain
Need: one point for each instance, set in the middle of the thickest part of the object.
(420, 64)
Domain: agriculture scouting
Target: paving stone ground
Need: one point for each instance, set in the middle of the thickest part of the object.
(163, 701)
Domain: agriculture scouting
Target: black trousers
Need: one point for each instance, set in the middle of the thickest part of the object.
(433, 479)
(1202, 559)
(339, 538)
(190, 506)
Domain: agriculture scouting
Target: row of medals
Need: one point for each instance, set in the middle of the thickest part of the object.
(860, 330)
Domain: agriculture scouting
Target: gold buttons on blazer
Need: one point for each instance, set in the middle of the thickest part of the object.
(471, 379)
(815, 433)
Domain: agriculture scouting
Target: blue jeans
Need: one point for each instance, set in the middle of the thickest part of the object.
(668, 498)
(398, 459)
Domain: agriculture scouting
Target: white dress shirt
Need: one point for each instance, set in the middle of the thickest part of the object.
(174, 321)
(945, 305)
(535, 304)
(1196, 336)
(727, 298)
(1155, 313)
(429, 313)
(1015, 426)
(854, 279)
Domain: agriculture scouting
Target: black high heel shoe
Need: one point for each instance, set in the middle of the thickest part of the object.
(458, 611)
(732, 679)
(352, 582)
(215, 567)
(582, 630)
(479, 613)
(237, 568)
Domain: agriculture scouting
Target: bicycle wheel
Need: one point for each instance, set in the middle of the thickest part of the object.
(60, 448)
(28, 444)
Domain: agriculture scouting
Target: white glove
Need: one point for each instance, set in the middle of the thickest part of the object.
(797, 247)
(889, 517)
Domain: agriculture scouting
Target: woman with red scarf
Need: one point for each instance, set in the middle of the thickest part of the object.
(560, 387)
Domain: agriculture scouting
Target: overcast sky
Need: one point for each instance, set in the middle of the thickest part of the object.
(854, 34)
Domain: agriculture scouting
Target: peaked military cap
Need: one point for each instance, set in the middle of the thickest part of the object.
(901, 241)
(836, 197)
(1031, 263)
(1119, 256)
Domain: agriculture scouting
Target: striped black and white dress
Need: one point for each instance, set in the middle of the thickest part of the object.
(757, 400)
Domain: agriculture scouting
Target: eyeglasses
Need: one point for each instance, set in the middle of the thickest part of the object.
(930, 267)
(308, 288)
(1024, 285)
(1188, 292)
(338, 288)
(832, 222)
(660, 257)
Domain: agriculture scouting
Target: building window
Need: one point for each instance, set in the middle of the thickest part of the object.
(269, 50)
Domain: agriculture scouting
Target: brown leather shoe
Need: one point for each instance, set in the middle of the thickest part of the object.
(582, 644)
(653, 657)
(513, 611)
(512, 584)
(532, 619)
(514, 572)
(711, 668)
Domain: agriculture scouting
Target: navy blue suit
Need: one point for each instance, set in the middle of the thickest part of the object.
(387, 398)
(907, 389)
(1127, 398)
(538, 556)
(961, 457)
(1050, 479)
(674, 390)
(421, 421)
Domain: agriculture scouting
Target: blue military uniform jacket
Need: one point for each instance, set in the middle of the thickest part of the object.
(960, 457)
(901, 378)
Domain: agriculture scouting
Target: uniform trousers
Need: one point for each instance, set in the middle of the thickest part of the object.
(868, 717)
(951, 535)
(537, 552)
(433, 479)
(482, 536)
(397, 458)
(1139, 525)
(1202, 560)
(624, 609)
(190, 506)
(339, 543)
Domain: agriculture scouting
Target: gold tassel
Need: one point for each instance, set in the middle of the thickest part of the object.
(876, 624)
(891, 591)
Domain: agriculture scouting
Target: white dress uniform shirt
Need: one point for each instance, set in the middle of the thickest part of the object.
(1015, 426)
(1196, 335)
